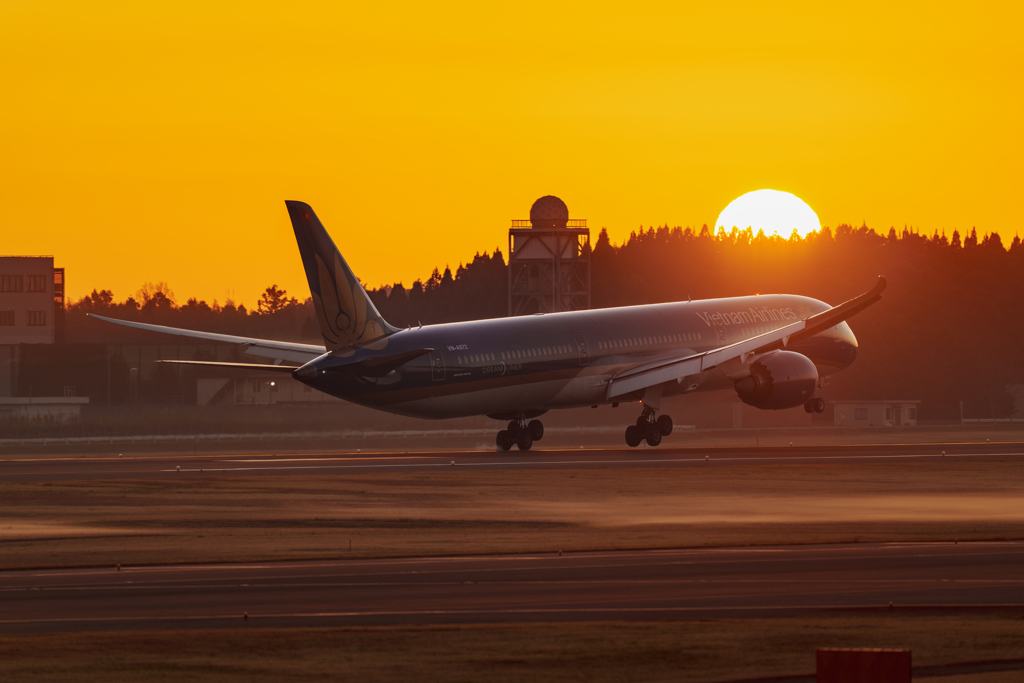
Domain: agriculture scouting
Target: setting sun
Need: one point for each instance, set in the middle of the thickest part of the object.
(774, 212)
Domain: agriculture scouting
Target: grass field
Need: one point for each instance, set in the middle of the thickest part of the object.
(218, 517)
(704, 650)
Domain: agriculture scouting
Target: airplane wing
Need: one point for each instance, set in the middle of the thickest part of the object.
(651, 374)
(266, 348)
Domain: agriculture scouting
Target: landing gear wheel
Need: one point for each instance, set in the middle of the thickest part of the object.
(513, 429)
(819, 405)
(653, 436)
(809, 406)
(524, 440)
(633, 436)
(641, 424)
(536, 430)
(664, 425)
(504, 441)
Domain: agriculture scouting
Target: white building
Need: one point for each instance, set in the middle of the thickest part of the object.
(875, 413)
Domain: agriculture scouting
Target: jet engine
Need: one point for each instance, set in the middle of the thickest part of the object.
(777, 380)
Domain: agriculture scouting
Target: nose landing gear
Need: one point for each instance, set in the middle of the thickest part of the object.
(520, 433)
(648, 429)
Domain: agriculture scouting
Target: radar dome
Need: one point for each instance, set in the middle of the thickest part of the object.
(549, 212)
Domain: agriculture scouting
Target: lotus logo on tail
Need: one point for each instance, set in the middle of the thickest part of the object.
(341, 307)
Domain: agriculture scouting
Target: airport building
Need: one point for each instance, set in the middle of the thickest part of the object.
(875, 413)
(31, 299)
(31, 316)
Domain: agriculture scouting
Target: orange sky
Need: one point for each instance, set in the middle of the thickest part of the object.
(158, 141)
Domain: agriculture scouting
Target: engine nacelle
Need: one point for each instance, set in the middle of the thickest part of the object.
(777, 380)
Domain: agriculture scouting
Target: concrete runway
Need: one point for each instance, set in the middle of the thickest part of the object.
(15, 469)
(630, 585)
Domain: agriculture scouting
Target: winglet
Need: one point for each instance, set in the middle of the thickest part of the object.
(346, 315)
(833, 316)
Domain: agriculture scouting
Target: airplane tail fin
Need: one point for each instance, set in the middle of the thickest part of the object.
(346, 315)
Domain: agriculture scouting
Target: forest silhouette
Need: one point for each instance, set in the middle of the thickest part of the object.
(948, 329)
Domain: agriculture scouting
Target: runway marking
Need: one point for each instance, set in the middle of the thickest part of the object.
(977, 548)
(334, 458)
(696, 459)
(219, 582)
(515, 611)
(220, 585)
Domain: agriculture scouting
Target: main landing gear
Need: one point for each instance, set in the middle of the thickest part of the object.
(815, 405)
(648, 429)
(520, 433)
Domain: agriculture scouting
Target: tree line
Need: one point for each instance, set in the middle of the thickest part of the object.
(948, 329)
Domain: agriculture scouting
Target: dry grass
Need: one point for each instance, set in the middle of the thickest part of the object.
(218, 517)
(705, 650)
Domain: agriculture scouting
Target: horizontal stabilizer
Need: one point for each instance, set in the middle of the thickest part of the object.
(268, 348)
(250, 366)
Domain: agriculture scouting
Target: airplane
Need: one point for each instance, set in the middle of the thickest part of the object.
(775, 350)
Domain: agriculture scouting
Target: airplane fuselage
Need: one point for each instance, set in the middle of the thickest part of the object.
(563, 360)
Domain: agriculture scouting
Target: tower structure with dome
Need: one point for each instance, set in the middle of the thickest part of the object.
(549, 261)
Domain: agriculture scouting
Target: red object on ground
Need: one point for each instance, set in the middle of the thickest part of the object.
(863, 666)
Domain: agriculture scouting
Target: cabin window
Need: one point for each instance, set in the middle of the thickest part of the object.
(860, 414)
